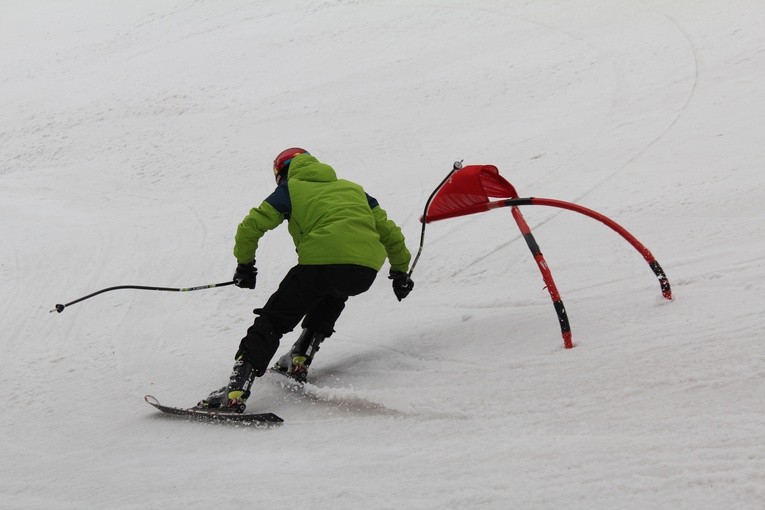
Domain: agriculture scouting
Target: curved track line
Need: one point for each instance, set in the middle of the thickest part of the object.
(619, 169)
(677, 116)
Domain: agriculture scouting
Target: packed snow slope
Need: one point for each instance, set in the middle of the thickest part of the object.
(136, 135)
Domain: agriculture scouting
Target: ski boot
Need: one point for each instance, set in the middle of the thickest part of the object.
(233, 397)
(295, 363)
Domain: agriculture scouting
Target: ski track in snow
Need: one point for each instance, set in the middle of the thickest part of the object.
(648, 67)
(135, 136)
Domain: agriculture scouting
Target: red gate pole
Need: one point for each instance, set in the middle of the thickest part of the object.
(666, 290)
(565, 328)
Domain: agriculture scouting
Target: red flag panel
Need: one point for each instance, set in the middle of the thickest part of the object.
(467, 191)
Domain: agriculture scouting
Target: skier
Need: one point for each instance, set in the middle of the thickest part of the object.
(342, 237)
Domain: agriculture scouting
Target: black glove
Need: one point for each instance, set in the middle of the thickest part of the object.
(246, 275)
(402, 284)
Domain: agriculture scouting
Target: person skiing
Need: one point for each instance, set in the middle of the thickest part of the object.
(342, 237)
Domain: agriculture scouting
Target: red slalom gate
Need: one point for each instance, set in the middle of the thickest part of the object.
(467, 190)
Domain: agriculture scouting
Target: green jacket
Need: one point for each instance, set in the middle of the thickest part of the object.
(331, 220)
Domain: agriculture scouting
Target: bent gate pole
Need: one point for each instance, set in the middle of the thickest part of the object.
(666, 290)
(513, 203)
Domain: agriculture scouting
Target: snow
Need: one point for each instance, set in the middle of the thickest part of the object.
(136, 135)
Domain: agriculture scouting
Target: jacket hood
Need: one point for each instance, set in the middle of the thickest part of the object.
(305, 167)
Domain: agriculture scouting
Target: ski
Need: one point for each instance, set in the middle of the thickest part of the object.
(257, 419)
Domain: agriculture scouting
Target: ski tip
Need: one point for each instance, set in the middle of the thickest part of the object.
(150, 399)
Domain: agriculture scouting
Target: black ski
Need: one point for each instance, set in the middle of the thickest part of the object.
(218, 416)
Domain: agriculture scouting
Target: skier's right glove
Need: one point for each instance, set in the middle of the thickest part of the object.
(246, 275)
(402, 284)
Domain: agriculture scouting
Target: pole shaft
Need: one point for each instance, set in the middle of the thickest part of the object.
(560, 309)
(60, 308)
(457, 166)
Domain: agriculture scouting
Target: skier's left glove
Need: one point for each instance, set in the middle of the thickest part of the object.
(246, 275)
(402, 284)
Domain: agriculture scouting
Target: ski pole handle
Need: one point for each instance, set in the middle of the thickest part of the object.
(60, 308)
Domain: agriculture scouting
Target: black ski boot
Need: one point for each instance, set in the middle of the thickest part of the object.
(232, 398)
(296, 362)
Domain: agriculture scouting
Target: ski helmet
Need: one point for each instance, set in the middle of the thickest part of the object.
(283, 160)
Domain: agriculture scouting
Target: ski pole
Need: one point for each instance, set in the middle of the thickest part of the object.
(457, 165)
(60, 308)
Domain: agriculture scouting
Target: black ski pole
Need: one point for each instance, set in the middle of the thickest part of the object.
(457, 166)
(60, 308)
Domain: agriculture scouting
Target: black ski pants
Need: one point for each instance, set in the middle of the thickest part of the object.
(316, 294)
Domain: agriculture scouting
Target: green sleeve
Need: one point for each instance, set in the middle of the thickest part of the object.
(260, 220)
(393, 240)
